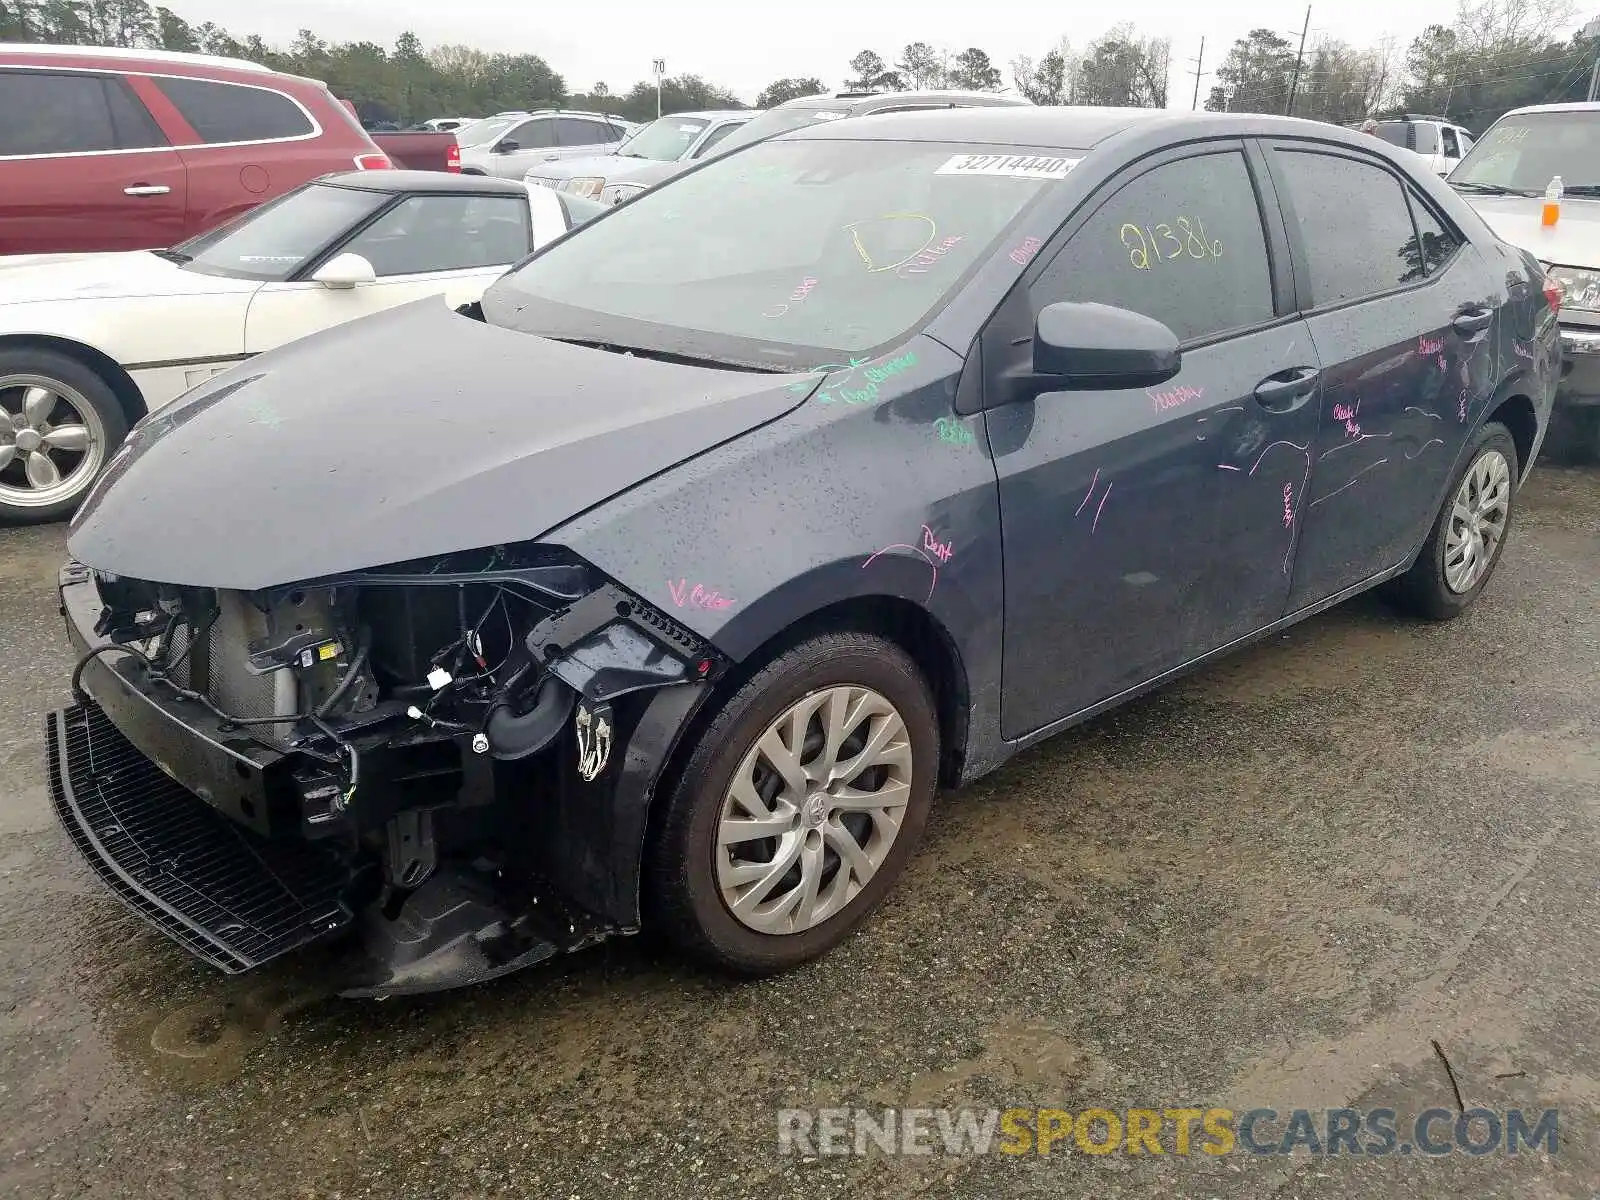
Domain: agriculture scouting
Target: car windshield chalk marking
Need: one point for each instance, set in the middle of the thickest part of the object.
(1192, 244)
(801, 291)
(1354, 479)
(923, 259)
(930, 232)
(1016, 166)
(1424, 446)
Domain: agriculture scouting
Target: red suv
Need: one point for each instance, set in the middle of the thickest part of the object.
(140, 149)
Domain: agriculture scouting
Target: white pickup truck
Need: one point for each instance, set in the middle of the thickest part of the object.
(1504, 178)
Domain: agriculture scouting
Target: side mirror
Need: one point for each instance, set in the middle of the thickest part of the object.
(507, 146)
(344, 271)
(1083, 347)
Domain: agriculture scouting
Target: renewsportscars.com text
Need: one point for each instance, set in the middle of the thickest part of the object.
(1374, 1132)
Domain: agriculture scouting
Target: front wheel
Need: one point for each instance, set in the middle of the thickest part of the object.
(798, 807)
(1469, 533)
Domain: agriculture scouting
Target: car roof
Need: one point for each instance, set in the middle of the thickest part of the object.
(1573, 106)
(1066, 126)
(712, 114)
(861, 102)
(154, 60)
(426, 181)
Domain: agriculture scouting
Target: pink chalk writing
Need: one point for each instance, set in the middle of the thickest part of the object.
(1175, 397)
(1521, 351)
(697, 596)
(919, 552)
(1093, 483)
(1024, 253)
(1429, 346)
(940, 550)
(1101, 508)
(919, 262)
(1347, 414)
(795, 297)
(1288, 505)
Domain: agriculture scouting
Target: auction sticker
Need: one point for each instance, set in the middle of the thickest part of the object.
(1018, 166)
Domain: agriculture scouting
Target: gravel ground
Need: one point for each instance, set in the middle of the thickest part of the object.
(1275, 884)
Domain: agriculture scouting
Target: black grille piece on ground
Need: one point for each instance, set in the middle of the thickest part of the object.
(226, 894)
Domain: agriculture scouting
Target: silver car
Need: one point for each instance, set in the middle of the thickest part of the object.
(679, 138)
(1504, 178)
(806, 110)
(508, 145)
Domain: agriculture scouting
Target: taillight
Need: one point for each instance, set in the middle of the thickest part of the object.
(373, 162)
(1554, 293)
(452, 157)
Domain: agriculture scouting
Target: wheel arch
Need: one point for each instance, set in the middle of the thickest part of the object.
(1516, 413)
(127, 392)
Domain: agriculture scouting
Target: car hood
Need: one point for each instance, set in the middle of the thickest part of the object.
(648, 171)
(572, 168)
(1574, 241)
(398, 436)
(104, 277)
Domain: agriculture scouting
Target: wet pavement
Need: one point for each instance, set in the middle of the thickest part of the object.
(1275, 884)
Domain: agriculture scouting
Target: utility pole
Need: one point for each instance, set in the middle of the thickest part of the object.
(1591, 30)
(1199, 65)
(1294, 84)
(660, 67)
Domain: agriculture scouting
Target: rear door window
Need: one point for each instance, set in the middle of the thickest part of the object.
(539, 134)
(1451, 148)
(1354, 223)
(1182, 243)
(71, 113)
(1425, 137)
(229, 112)
(575, 131)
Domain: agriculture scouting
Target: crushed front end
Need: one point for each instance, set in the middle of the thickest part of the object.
(448, 763)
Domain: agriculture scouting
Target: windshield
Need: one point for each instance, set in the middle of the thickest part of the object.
(775, 121)
(789, 255)
(667, 139)
(481, 133)
(1523, 152)
(272, 242)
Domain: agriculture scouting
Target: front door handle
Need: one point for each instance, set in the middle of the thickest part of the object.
(1287, 390)
(146, 189)
(1470, 324)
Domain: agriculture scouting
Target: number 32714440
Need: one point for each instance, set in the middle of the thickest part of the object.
(1150, 244)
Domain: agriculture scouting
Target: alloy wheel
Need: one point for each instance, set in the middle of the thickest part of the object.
(52, 441)
(813, 810)
(1478, 517)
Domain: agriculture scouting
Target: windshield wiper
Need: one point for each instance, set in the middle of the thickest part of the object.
(1490, 189)
(1581, 189)
(687, 360)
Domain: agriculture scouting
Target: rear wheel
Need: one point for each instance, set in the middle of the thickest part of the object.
(799, 806)
(1469, 533)
(59, 421)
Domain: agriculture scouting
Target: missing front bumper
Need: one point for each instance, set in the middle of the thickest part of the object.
(227, 895)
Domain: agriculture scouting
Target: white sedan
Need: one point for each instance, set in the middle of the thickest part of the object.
(89, 343)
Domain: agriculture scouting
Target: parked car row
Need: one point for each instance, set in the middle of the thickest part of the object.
(666, 584)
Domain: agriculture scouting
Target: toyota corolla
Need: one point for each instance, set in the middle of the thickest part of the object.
(666, 587)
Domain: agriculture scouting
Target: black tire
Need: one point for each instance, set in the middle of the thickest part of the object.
(78, 384)
(1424, 591)
(684, 900)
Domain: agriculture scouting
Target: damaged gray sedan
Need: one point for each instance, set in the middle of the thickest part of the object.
(664, 587)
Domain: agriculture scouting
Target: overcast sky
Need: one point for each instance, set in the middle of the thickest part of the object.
(746, 45)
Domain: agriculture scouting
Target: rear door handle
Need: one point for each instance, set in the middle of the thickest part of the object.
(1287, 390)
(146, 189)
(1469, 324)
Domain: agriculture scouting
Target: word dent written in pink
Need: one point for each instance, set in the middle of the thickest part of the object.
(1024, 253)
(697, 596)
(1288, 505)
(940, 550)
(1427, 346)
(919, 262)
(1347, 414)
(1175, 397)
